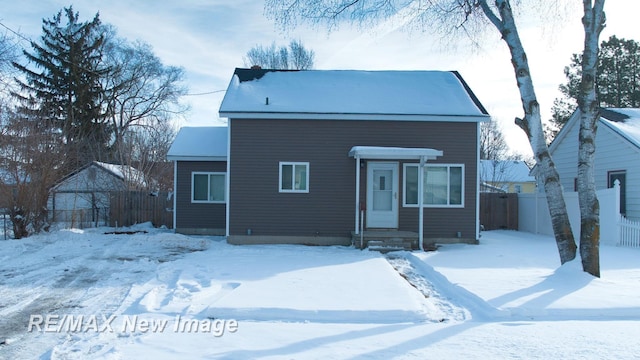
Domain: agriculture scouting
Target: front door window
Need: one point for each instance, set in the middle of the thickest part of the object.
(382, 189)
(382, 195)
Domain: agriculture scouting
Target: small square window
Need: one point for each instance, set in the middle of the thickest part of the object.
(294, 177)
(208, 187)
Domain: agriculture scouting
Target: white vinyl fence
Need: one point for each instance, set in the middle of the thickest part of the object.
(629, 232)
(615, 229)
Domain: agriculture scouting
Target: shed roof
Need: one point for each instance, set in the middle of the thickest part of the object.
(125, 173)
(351, 94)
(199, 143)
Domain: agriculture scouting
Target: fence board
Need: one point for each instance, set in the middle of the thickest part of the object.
(615, 229)
(499, 211)
(629, 232)
(134, 207)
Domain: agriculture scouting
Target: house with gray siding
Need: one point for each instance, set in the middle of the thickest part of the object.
(199, 155)
(340, 157)
(617, 155)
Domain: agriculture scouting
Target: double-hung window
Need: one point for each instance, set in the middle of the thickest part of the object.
(443, 185)
(294, 177)
(208, 187)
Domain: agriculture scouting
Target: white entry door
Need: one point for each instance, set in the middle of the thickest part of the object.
(382, 195)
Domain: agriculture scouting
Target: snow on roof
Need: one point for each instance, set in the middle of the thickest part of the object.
(199, 143)
(131, 176)
(124, 172)
(505, 171)
(351, 94)
(625, 122)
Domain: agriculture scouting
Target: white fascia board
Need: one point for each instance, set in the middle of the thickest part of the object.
(340, 116)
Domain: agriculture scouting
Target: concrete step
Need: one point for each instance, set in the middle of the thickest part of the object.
(389, 245)
(395, 240)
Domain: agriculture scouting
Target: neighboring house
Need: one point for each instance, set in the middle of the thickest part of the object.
(199, 155)
(82, 197)
(617, 155)
(507, 176)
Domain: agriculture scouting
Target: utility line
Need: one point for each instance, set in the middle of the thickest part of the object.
(15, 32)
(205, 93)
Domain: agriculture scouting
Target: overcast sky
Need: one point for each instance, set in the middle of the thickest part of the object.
(210, 38)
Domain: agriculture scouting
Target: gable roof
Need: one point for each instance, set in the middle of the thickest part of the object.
(623, 121)
(351, 95)
(505, 171)
(199, 143)
(125, 173)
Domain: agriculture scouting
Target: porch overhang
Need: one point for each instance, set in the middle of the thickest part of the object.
(393, 153)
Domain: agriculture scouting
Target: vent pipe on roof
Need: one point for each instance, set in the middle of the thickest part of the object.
(256, 67)
(266, 100)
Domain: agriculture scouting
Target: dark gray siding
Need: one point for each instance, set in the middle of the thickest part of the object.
(257, 147)
(190, 217)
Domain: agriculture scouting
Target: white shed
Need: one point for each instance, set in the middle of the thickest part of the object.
(82, 197)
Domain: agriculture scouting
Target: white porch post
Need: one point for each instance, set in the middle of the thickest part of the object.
(357, 227)
(175, 192)
(420, 203)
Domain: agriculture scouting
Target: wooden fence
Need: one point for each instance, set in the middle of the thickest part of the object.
(499, 211)
(134, 207)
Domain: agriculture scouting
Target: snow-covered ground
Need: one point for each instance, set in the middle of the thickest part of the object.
(75, 294)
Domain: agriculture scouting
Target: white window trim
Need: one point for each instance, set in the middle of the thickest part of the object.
(209, 173)
(293, 163)
(448, 206)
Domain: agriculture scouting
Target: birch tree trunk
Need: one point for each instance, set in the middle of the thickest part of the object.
(531, 123)
(589, 109)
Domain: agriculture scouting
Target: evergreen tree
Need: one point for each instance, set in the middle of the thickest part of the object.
(63, 86)
(618, 80)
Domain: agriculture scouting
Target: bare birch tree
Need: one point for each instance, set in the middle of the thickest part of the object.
(593, 21)
(471, 16)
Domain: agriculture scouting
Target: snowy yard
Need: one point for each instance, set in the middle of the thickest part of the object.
(75, 294)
